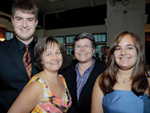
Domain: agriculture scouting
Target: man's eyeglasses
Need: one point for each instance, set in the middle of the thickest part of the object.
(87, 46)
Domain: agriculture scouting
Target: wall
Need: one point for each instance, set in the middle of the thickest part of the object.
(2, 32)
(72, 31)
(131, 17)
(6, 24)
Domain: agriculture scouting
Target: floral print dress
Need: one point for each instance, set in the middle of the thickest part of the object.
(51, 103)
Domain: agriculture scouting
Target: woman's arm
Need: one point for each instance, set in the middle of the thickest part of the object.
(97, 96)
(28, 98)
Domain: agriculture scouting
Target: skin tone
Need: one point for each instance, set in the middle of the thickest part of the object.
(102, 49)
(126, 57)
(84, 55)
(125, 53)
(52, 58)
(30, 96)
(97, 96)
(24, 26)
(106, 51)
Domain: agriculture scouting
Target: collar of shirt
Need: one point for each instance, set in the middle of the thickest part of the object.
(81, 80)
(21, 45)
(89, 69)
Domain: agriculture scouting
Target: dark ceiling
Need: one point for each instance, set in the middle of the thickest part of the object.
(67, 13)
(77, 17)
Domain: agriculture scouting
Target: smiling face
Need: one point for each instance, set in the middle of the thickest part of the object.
(126, 54)
(52, 58)
(84, 50)
(24, 26)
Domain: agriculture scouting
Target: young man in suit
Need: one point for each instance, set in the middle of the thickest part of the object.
(13, 74)
(80, 78)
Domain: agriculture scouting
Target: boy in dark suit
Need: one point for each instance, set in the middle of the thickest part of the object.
(13, 73)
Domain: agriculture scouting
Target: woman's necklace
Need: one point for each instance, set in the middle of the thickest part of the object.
(124, 80)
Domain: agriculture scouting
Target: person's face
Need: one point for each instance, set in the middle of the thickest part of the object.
(102, 49)
(84, 50)
(126, 53)
(24, 26)
(52, 58)
(106, 51)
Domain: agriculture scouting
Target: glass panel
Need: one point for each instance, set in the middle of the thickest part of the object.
(99, 38)
(60, 39)
(69, 39)
(95, 36)
(104, 37)
(69, 49)
(98, 50)
(9, 35)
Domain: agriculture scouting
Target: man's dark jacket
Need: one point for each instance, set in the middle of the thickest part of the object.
(84, 103)
(13, 75)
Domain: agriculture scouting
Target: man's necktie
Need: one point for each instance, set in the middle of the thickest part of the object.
(27, 61)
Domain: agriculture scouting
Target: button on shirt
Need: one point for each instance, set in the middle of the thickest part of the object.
(81, 80)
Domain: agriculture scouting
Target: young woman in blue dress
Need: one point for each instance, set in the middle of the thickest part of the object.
(124, 87)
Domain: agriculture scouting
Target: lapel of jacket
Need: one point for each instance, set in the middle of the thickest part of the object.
(73, 83)
(70, 76)
(13, 52)
(89, 83)
(34, 70)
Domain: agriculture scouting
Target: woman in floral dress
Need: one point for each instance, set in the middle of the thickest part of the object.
(47, 91)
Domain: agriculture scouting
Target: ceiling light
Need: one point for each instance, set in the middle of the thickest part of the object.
(2, 39)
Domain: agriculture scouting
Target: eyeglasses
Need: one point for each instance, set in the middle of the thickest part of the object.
(87, 46)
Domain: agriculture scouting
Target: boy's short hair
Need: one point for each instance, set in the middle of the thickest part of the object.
(26, 6)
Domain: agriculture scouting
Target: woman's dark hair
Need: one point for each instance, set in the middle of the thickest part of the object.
(41, 46)
(139, 80)
(83, 36)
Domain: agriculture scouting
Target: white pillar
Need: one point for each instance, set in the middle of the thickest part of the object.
(39, 34)
(131, 17)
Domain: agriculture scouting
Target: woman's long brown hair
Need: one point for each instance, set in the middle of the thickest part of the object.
(139, 75)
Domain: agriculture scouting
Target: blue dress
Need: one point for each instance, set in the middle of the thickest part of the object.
(120, 101)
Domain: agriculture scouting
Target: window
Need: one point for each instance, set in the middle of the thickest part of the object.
(9, 35)
(69, 48)
(60, 39)
(98, 50)
(100, 39)
(69, 39)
